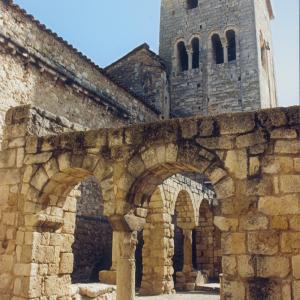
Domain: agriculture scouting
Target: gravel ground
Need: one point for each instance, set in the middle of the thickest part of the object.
(179, 296)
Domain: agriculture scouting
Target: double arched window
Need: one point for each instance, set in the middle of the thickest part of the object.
(218, 48)
(188, 59)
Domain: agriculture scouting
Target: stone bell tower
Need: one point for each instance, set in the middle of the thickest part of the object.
(219, 55)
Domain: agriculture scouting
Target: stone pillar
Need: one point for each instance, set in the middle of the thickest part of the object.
(126, 267)
(190, 56)
(187, 251)
(110, 277)
(225, 47)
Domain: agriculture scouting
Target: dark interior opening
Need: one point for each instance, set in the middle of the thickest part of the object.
(218, 50)
(196, 53)
(191, 4)
(183, 59)
(231, 42)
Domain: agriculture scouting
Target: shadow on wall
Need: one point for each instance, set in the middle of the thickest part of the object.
(93, 235)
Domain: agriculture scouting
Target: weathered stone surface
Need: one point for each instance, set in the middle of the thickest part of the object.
(263, 242)
(254, 222)
(275, 266)
(277, 165)
(295, 265)
(236, 163)
(287, 147)
(279, 222)
(290, 242)
(226, 224)
(251, 139)
(234, 243)
(246, 266)
(284, 205)
(290, 184)
(236, 124)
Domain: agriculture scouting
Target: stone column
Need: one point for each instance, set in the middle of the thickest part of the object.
(126, 267)
(225, 50)
(190, 56)
(187, 251)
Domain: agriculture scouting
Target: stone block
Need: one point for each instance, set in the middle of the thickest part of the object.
(277, 165)
(290, 242)
(234, 243)
(9, 176)
(284, 205)
(295, 222)
(296, 290)
(246, 266)
(7, 159)
(217, 143)
(40, 158)
(254, 166)
(229, 265)
(39, 179)
(296, 266)
(263, 242)
(236, 123)
(272, 266)
(287, 147)
(225, 188)
(236, 163)
(234, 289)
(289, 183)
(284, 133)
(108, 277)
(226, 224)
(66, 263)
(279, 223)
(253, 221)
(297, 164)
(251, 139)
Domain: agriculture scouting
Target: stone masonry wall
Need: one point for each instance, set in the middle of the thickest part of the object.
(211, 88)
(143, 72)
(252, 160)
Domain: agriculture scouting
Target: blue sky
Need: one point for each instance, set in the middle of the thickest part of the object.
(105, 30)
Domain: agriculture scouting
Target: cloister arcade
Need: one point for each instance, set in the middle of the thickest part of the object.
(235, 152)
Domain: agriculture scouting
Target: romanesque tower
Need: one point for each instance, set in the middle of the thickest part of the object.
(219, 55)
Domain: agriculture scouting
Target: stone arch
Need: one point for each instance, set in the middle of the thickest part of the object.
(186, 212)
(51, 221)
(208, 242)
(159, 162)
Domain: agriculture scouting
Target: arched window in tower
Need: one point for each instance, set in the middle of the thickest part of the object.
(231, 44)
(196, 53)
(182, 57)
(191, 4)
(218, 50)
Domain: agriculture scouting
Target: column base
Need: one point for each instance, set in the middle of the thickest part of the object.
(108, 277)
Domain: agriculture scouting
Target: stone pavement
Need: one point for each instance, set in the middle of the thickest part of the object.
(180, 296)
